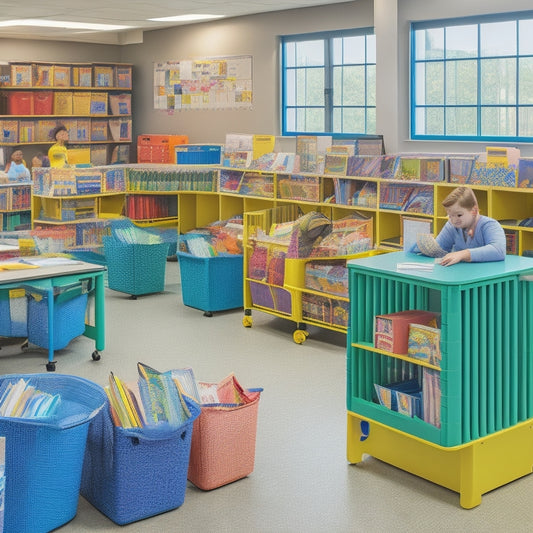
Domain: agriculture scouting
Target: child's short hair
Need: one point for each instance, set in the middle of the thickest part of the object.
(463, 196)
(56, 130)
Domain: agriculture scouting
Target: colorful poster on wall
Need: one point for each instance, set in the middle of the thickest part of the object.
(218, 83)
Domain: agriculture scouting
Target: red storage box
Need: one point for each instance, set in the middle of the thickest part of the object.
(43, 102)
(391, 332)
(20, 103)
(223, 445)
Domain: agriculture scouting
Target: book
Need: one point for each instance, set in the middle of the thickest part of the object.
(412, 227)
(62, 76)
(391, 331)
(424, 344)
(120, 104)
(431, 396)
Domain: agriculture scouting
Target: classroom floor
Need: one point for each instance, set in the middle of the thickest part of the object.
(301, 481)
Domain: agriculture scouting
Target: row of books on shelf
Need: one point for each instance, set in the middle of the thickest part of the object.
(40, 74)
(18, 197)
(79, 130)
(158, 397)
(76, 181)
(171, 178)
(416, 398)
(142, 207)
(64, 103)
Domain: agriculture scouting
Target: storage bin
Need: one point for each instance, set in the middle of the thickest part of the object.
(70, 303)
(44, 457)
(223, 445)
(211, 283)
(135, 268)
(131, 474)
(13, 313)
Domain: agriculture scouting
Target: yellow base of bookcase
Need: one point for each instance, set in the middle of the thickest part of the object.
(471, 469)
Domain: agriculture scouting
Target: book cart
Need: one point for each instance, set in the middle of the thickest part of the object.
(277, 285)
(483, 437)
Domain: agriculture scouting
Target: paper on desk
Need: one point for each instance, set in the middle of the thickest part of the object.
(50, 261)
(428, 267)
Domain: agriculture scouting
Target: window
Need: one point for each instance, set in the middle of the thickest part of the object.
(329, 83)
(472, 78)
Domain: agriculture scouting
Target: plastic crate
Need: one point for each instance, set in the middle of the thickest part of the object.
(70, 303)
(44, 457)
(223, 445)
(135, 268)
(131, 474)
(13, 313)
(197, 154)
(211, 283)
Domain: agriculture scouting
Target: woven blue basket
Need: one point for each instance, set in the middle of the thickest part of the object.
(135, 268)
(211, 283)
(13, 314)
(44, 457)
(132, 474)
(69, 317)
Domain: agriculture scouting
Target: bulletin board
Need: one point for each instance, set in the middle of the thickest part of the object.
(216, 83)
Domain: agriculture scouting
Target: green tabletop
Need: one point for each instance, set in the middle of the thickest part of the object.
(457, 274)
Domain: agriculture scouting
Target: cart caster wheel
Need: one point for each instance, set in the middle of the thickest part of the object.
(208, 314)
(247, 321)
(25, 345)
(96, 356)
(132, 297)
(299, 336)
(51, 366)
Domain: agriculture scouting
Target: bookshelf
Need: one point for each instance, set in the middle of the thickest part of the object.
(481, 392)
(15, 206)
(93, 100)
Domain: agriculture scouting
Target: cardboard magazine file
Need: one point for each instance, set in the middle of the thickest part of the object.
(132, 474)
(223, 444)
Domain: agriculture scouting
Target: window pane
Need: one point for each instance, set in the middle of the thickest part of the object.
(290, 54)
(498, 39)
(371, 48)
(461, 82)
(370, 121)
(349, 120)
(310, 86)
(310, 53)
(290, 119)
(371, 85)
(290, 87)
(461, 41)
(461, 121)
(498, 81)
(525, 116)
(429, 121)
(429, 43)
(434, 83)
(499, 121)
(314, 120)
(354, 50)
(349, 86)
(525, 88)
(525, 33)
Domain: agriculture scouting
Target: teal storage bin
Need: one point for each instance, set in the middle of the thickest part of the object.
(211, 283)
(44, 457)
(132, 474)
(134, 268)
(70, 304)
(13, 313)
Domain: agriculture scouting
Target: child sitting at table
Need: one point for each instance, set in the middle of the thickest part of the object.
(469, 236)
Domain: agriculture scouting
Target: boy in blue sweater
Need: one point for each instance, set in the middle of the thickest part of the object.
(469, 236)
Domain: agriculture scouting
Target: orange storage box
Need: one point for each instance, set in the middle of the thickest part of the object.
(223, 444)
(158, 148)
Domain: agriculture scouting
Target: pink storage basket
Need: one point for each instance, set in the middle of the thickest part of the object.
(223, 445)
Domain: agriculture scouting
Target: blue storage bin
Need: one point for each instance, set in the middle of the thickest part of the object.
(198, 154)
(13, 313)
(44, 457)
(132, 474)
(211, 283)
(135, 268)
(70, 304)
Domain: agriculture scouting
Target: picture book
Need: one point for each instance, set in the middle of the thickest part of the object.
(409, 404)
(525, 172)
(391, 331)
(411, 228)
(384, 395)
(42, 75)
(62, 76)
(120, 104)
(431, 396)
(424, 344)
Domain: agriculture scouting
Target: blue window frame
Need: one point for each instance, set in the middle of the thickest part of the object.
(329, 83)
(472, 78)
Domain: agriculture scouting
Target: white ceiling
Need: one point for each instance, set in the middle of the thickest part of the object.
(132, 13)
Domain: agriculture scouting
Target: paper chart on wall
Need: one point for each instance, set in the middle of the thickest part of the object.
(211, 83)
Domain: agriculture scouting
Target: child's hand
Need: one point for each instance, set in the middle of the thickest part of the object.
(456, 257)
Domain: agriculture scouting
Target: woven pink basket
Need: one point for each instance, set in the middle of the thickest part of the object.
(223, 445)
